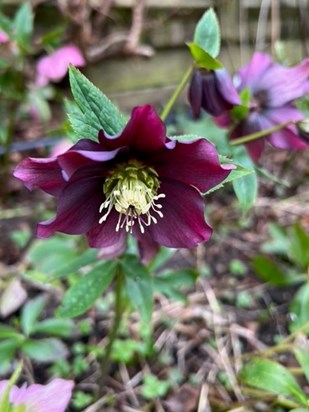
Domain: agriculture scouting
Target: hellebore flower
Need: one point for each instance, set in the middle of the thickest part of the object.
(138, 182)
(54, 67)
(273, 89)
(212, 91)
(4, 38)
(53, 397)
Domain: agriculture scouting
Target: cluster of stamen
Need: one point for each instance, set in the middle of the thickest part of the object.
(132, 190)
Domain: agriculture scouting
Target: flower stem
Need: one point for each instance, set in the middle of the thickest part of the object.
(259, 135)
(106, 361)
(176, 93)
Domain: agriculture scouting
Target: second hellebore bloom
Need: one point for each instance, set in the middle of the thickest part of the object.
(53, 397)
(138, 182)
(212, 91)
(273, 89)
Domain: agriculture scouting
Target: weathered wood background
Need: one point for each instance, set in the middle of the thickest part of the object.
(245, 25)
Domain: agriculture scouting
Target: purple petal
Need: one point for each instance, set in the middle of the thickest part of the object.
(226, 87)
(195, 93)
(284, 84)
(53, 397)
(288, 137)
(212, 100)
(55, 66)
(73, 160)
(252, 124)
(224, 120)
(113, 251)
(41, 173)
(251, 73)
(144, 132)
(183, 224)
(104, 235)
(194, 163)
(78, 208)
(147, 247)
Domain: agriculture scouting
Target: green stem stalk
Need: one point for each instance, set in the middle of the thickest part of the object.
(259, 135)
(106, 361)
(176, 93)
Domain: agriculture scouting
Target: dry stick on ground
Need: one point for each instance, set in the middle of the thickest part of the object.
(224, 358)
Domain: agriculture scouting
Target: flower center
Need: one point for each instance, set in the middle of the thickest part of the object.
(132, 190)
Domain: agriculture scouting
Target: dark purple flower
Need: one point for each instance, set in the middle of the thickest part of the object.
(137, 182)
(212, 91)
(273, 90)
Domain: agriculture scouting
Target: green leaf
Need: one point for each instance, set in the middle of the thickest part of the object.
(50, 254)
(241, 112)
(74, 264)
(302, 356)
(95, 111)
(170, 282)
(299, 308)
(272, 377)
(207, 33)
(270, 272)
(82, 295)
(8, 348)
(55, 327)
(299, 246)
(45, 350)
(161, 258)
(202, 58)
(245, 187)
(279, 244)
(235, 174)
(154, 388)
(30, 314)
(23, 24)
(8, 332)
(138, 285)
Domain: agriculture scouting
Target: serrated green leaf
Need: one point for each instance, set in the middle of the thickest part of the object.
(82, 295)
(235, 174)
(138, 286)
(30, 314)
(23, 24)
(207, 33)
(45, 350)
(272, 377)
(202, 58)
(98, 112)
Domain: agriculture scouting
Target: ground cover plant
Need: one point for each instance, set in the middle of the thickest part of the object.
(122, 295)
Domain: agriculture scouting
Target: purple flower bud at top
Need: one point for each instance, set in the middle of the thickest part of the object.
(212, 91)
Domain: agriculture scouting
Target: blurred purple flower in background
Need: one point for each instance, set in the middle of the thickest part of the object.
(53, 397)
(212, 91)
(138, 182)
(54, 67)
(273, 89)
(4, 38)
